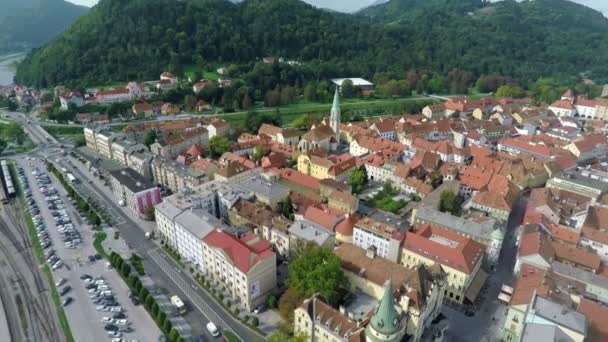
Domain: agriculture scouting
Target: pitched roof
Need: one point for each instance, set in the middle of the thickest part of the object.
(445, 247)
(531, 280)
(300, 178)
(195, 150)
(383, 229)
(322, 217)
(319, 133)
(385, 319)
(596, 314)
(588, 142)
(476, 178)
(331, 319)
(346, 226)
(244, 253)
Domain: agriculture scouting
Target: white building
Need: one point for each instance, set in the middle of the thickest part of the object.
(191, 226)
(385, 238)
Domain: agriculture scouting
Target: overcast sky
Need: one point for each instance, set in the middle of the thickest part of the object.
(353, 5)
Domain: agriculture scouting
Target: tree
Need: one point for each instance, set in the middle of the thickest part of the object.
(247, 102)
(150, 137)
(150, 213)
(259, 152)
(149, 302)
(173, 335)
(162, 317)
(218, 145)
(167, 326)
(12, 105)
(189, 102)
(317, 271)
(288, 302)
(255, 321)
(348, 89)
(125, 269)
(450, 202)
(286, 208)
(510, 91)
(358, 179)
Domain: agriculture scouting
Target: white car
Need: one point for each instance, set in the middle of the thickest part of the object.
(93, 290)
(122, 322)
(116, 309)
(88, 281)
(213, 330)
(118, 339)
(114, 334)
(107, 319)
(100, 282)
(101, 308)
(103, 287)
(60, 282)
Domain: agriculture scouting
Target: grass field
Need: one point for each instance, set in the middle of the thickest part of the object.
(206, 74)
(66, 133)
(364, 108)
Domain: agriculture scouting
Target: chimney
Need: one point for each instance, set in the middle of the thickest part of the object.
(342, 310)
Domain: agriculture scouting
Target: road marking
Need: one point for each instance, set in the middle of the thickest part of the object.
(183, 285)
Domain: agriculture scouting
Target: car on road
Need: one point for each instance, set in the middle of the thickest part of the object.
(91, 258)
(212, 329)
(107, 319)
(116, 309)
(67, 301)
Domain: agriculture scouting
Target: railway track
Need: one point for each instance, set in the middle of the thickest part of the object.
(36, 303)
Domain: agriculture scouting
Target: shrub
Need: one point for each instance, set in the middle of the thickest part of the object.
(255, 321)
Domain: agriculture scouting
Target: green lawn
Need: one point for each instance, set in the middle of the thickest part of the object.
(230, 337)
(365, 108)
(384, 200)
(206, 74)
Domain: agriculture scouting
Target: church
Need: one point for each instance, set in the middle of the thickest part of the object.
(324, 137)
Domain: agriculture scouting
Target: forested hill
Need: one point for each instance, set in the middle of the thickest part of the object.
(29, 23)
(120, 40)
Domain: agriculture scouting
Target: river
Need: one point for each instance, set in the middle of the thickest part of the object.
(6, 68)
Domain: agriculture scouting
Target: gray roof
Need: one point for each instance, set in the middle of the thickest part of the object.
(198, 222)
(577, 178)
(132, 180)
(480, 230)
(579, 274)
(264, 188)
(545, 310)
(310, 231)
(545, 333)
(168, 209)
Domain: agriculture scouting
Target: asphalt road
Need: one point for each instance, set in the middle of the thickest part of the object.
(487, 324)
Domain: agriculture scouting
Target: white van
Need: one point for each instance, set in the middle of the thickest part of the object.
(213, 330)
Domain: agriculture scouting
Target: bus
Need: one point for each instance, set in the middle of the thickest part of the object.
(179, 305)
(70, 177)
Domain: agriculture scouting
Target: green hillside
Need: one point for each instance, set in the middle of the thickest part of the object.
(29, 23)
(120, 40)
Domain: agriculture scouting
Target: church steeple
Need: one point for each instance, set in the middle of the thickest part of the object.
(334, 119)
(385, 325)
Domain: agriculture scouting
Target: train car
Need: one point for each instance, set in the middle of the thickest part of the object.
(8, 182)
(3, 194)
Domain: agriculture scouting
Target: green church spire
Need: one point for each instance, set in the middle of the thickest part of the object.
(386, 319)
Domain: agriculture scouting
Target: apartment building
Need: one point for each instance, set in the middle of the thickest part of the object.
(385, 238)
(137, 192)
(245, 266)
(458, 256)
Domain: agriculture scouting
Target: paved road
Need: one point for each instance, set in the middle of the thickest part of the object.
(133, 230)
(487, 324)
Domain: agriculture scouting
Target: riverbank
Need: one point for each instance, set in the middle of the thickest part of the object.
(7, 67)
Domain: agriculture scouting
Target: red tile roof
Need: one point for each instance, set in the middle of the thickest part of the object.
(347, 226)
(300, 178)
(243, 255)
(322, 217)
(589, 142)
(531, 280)
(563, 104)
(596, 314)
(476, 178)
(445, 247)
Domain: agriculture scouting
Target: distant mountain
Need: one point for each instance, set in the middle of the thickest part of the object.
(120, 40)
(29, 23)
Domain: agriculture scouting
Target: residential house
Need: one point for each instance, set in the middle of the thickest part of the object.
(336, 167)
(384, 238)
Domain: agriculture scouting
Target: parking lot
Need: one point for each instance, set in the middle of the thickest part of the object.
(103, 311)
